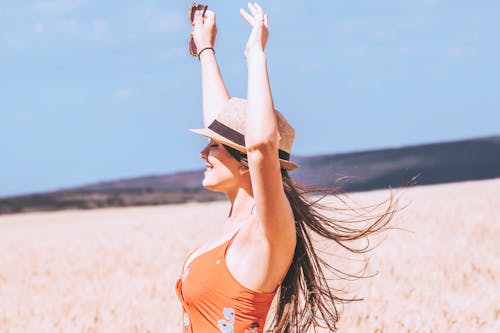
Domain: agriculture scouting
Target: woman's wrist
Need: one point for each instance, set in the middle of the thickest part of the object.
(255, 56)
(205, 50)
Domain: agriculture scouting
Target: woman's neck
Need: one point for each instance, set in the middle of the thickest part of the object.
(242, 205)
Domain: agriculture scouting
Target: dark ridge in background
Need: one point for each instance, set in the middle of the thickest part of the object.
(430, 164)
(427, 164)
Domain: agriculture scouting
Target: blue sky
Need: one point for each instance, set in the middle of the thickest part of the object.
(98, 90)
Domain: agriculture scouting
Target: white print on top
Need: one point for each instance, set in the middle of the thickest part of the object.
(227, 326)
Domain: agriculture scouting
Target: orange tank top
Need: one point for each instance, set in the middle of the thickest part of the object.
(213, 301)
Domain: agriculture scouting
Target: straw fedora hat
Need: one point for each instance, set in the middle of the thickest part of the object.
(229, 128)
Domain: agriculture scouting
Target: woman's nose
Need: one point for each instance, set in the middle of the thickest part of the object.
(204, 152)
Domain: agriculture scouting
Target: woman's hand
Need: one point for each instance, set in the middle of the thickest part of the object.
(258, 36)
(204, 29)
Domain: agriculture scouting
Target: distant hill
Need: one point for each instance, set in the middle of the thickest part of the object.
(426, 164)
(358, 171)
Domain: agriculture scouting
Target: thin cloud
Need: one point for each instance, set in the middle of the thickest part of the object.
(39, 28)
(13, 42)
(123, 93)
(70, 26)
(457, 52)
(175, 52)
(167, 22)
(408, 50)
(98, 28)
(56, 6)
(312, 66)
(155, 20)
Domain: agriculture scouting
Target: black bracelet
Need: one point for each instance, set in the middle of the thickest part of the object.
(206, 48)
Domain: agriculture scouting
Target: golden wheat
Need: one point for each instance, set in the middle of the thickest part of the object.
(113, 270)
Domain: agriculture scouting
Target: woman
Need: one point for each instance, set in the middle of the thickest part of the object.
(264, 248)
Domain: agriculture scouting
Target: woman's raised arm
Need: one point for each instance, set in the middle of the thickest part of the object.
(214, 91)
(261, 139)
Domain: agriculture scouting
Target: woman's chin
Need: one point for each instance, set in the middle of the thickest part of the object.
(208, 185)
(212, 186)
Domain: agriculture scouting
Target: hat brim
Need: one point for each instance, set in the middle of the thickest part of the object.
(284, 164)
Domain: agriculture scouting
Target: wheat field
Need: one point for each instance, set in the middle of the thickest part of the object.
(113, 270)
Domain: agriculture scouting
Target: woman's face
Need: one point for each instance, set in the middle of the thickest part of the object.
(222, 170)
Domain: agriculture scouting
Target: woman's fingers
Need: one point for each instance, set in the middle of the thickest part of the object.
(198, 17)
(247, 17)
(252, 8)
(258, 8)
(209, 17)
(257, 14)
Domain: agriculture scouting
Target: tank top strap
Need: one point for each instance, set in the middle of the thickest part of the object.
(229, 242)
(183, 268)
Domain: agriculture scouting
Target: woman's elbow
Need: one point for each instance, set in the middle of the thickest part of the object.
(263, 145)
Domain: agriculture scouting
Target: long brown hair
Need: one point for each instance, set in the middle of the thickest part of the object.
(305, 299)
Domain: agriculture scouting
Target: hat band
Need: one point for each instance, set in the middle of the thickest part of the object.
(227, 132)
(238, 138)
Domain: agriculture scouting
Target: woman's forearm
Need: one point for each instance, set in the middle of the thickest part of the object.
(214, 91)
(261, 121)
